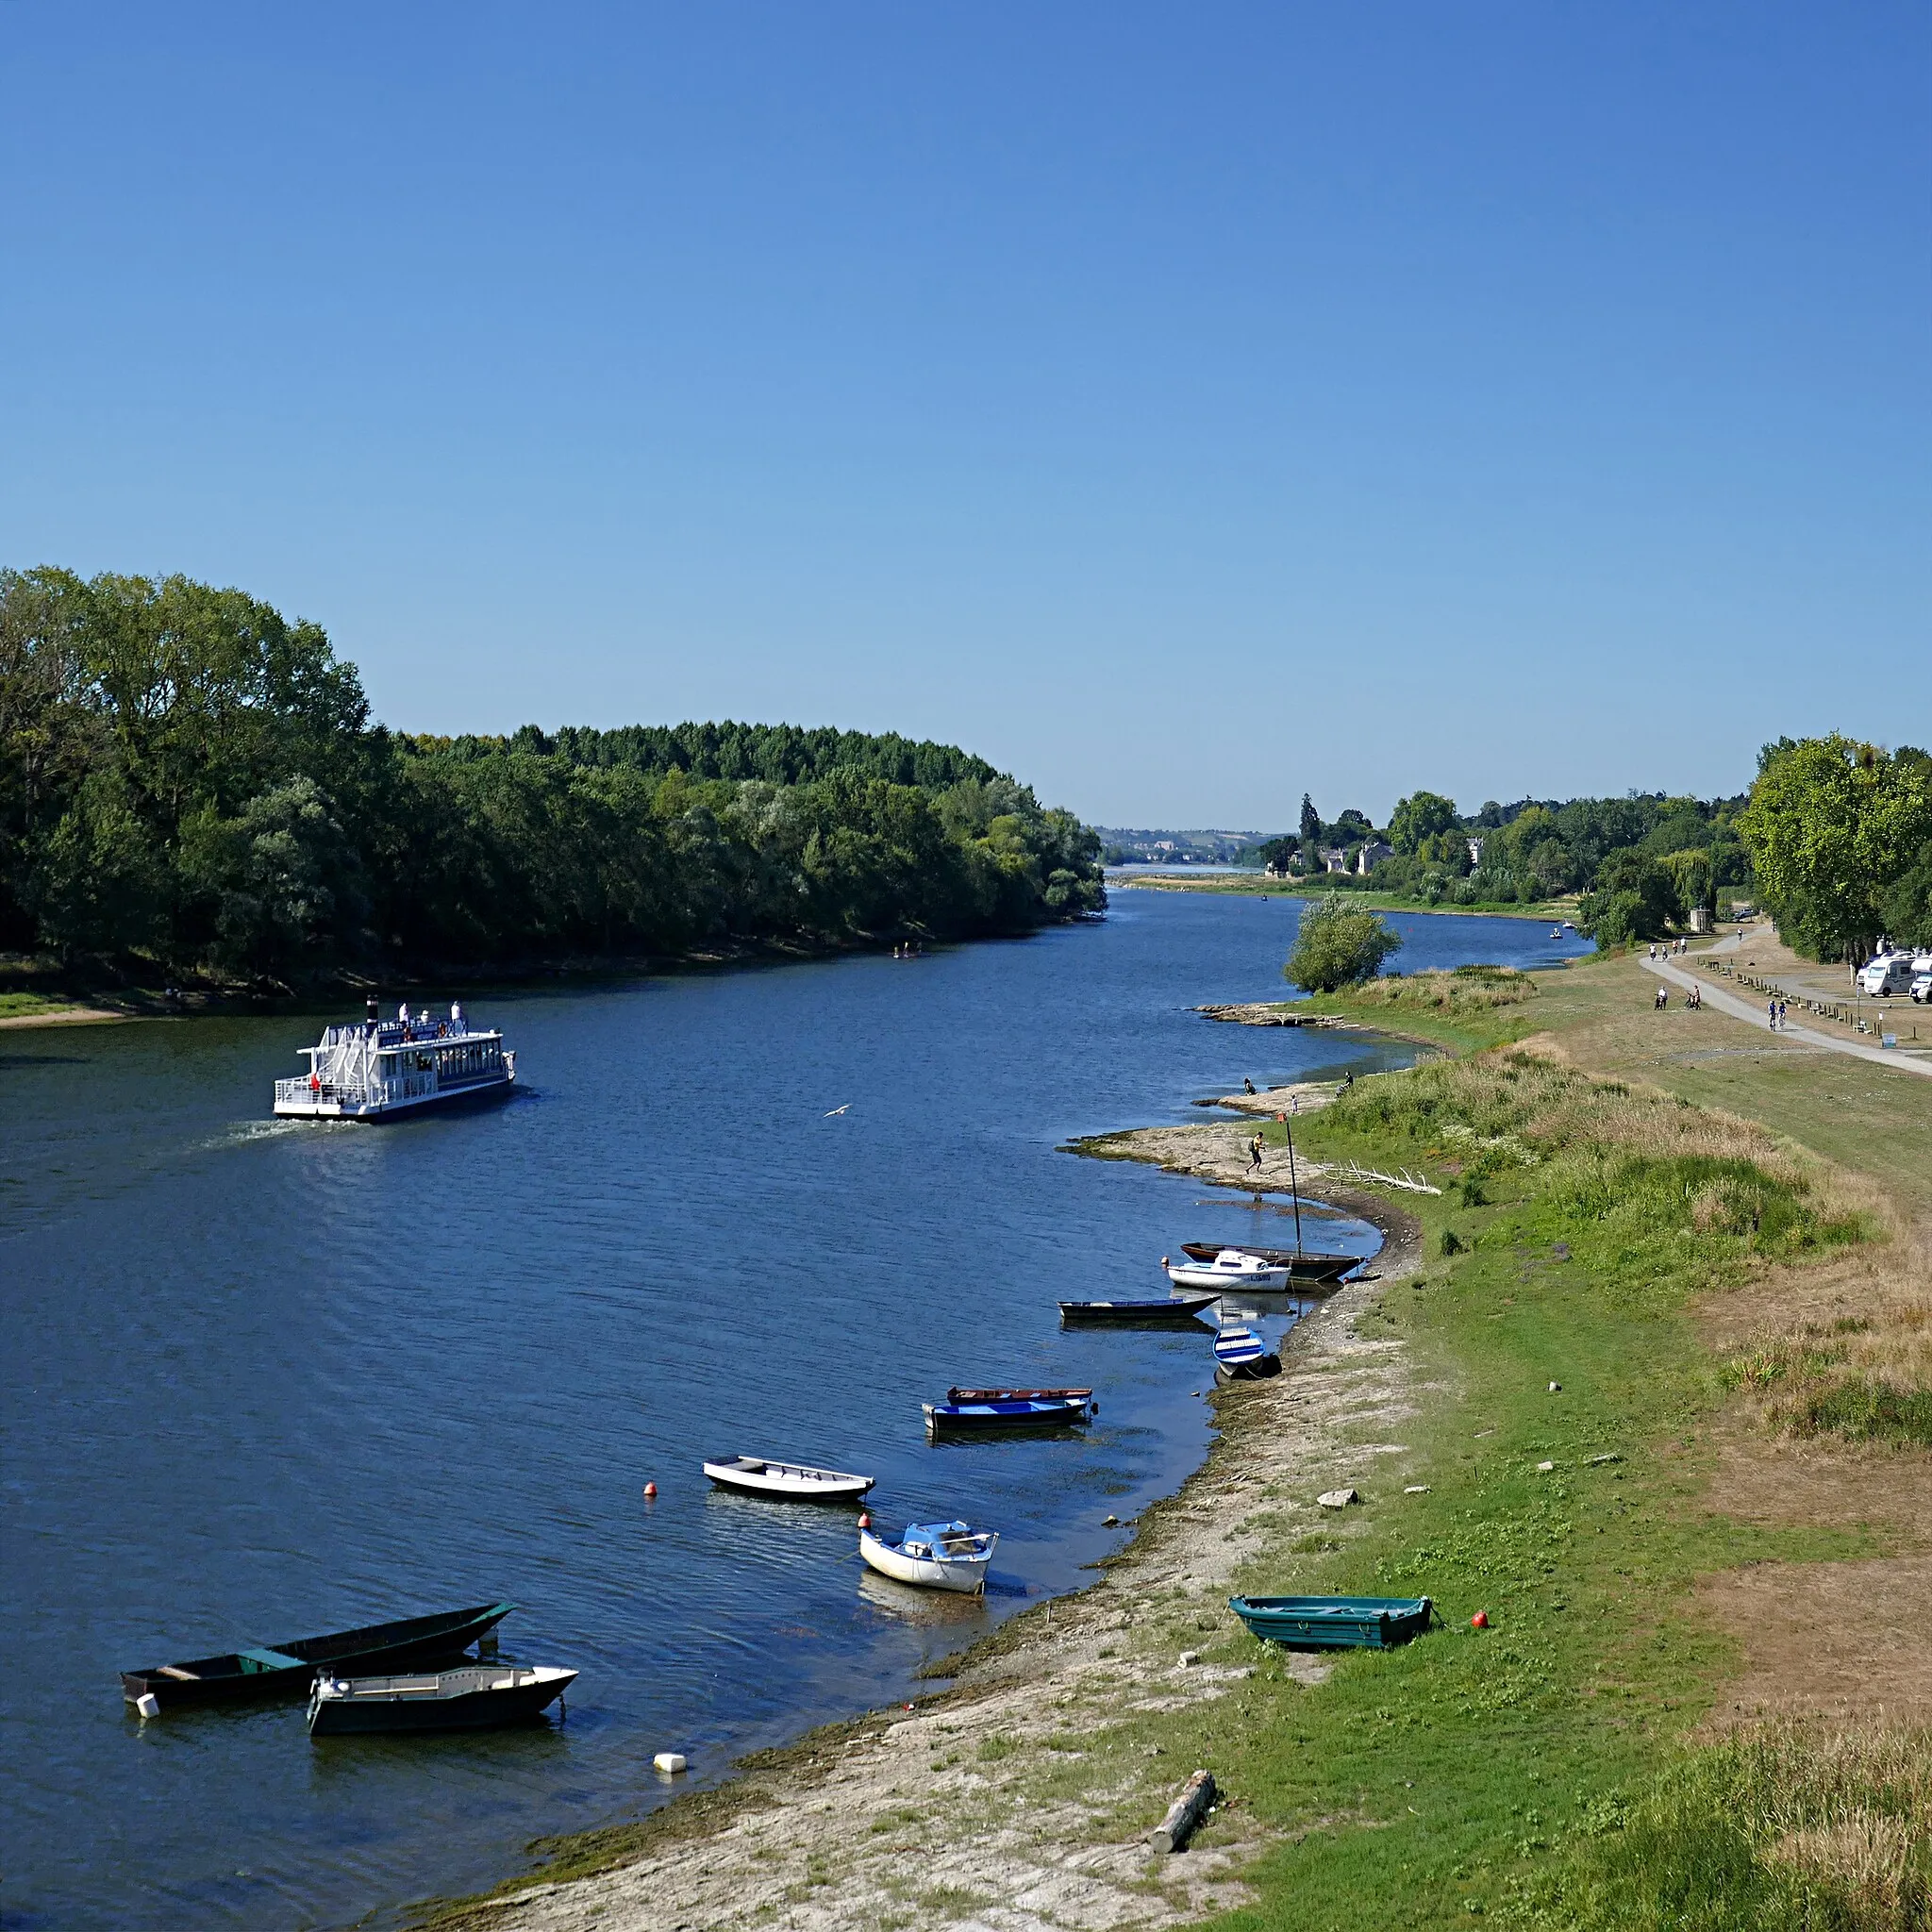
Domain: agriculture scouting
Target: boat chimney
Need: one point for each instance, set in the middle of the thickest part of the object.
(371, 1010)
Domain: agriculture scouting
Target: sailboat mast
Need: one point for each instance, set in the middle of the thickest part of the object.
(1294, 1187)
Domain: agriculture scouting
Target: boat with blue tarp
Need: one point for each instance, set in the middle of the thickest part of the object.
(935, 1555)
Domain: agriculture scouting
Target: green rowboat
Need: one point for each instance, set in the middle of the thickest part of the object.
(1334, 1623)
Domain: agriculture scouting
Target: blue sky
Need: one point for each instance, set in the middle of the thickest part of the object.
(1183, 406)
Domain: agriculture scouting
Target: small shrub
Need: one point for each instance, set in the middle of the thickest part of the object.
(1451, 1243)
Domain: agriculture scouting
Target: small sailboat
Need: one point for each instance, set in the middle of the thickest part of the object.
(937, 1556)
(796, 1481)
(1302, 1268)
(1230, 1267)
(1242, 1355)
(484, 1697)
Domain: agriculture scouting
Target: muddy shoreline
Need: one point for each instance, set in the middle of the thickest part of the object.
(1003, 1790)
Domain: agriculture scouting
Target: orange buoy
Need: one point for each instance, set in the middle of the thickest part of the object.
(1480, 1620)
(864, 1519)
(650, 1489)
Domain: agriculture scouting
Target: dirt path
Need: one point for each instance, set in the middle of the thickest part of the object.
(1016, 1800)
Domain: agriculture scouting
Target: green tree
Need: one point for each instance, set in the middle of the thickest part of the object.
(1832, 826)
(1338, 945)
(1421, 815)
(1311, 824)
(1907, 906)
(1636, 898)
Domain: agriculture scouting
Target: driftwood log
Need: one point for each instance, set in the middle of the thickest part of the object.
(1187, 1811)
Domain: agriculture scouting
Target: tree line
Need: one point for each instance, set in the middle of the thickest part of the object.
(191, 782)
(1834, 837)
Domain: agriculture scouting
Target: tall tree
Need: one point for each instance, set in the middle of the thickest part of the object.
(1311, 823)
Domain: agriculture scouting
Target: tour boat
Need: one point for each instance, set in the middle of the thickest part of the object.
(376, 1068)
(795, 1481)
(1230, 1267)
(938, 1555)
(482, 1697)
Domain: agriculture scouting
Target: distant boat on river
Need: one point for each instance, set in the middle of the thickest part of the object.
(381, 1068)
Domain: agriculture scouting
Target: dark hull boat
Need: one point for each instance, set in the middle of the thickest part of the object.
(1334, 1623)
(484, 1697)
(282, 1670)
(1170, 1312)
(991, 1417)
(1302, 1268)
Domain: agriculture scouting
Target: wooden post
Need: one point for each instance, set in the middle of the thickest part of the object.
(1185, 1813)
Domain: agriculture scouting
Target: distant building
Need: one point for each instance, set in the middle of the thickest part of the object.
(1476, 852)
(1371, 855)
(1334, 858)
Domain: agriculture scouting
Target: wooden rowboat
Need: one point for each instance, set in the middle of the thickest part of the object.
(1027, 1412)
(792, 1481)
(1178, 1310)
(1017, 1394)
(281, 1669)
(1334, 1623)
(479, 1698)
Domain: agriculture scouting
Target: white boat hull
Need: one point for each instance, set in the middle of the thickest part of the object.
(323, 1108)
(1199, 1275)
(964, 1574)
(793, 1481)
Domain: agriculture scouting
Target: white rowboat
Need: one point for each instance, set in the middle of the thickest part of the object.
(1231, 1268)
(938, 1555)
(796, 1481)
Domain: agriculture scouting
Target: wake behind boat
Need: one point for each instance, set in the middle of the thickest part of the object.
(382, 1068)
(795, 1481)
(937, 1556)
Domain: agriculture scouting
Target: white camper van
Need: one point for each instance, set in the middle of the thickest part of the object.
(1886, 975)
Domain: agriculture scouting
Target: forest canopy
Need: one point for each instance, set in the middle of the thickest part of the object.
(191, 781)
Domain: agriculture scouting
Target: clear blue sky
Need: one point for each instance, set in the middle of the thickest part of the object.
(1182, 406)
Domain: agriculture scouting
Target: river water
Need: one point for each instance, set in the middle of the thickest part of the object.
(263, 1380)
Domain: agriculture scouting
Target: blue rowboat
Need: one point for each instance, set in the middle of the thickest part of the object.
(1242, 1355)
(1026, 1412)
(1334, 1623)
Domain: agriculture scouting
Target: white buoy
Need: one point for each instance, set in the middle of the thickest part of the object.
(668, 1761)
(148, 1704)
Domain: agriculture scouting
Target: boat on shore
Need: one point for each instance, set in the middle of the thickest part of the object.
(1019, 1412)
(1334, 1623)
(1302, 1266)
(798, 1482)
(379, 1069)
(935, 1555)
(481, 1697)
(282, 1670)
(1242, 1355)
(1170, 1312)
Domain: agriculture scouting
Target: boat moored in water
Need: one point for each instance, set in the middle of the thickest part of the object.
(376, 1069)
(792, 1481)
(281, 1669)
(1018, 1412)
(481, 1697)
(1174, 1311)
(1231, 1268)
(1302, 1268)
(935, 1555)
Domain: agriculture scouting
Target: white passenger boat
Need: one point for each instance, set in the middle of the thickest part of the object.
(1231, 1268)
(794, 1480)
(376, 1069)
(940, 1555)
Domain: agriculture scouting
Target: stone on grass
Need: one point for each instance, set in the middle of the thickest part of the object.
(1544, 1468)
(1417, 1489)
(1337, 1499)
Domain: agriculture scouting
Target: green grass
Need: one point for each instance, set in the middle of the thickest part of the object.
(1469, 1772)
(24, 1006)
(1253, 883)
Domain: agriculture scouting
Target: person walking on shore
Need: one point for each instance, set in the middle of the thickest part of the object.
(1254, 1154)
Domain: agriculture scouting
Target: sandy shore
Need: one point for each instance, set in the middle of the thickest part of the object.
(66, 1016)
(1022, 1797)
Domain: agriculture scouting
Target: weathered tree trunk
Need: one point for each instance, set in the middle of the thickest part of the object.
(1187, 1811)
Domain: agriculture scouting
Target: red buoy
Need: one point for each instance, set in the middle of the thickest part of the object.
(1480, 1620)
(865, 1520)
(650, 1489)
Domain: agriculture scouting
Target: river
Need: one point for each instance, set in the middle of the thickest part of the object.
(266, 1379)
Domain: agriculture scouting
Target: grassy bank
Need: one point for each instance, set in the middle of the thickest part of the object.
(1260, 885)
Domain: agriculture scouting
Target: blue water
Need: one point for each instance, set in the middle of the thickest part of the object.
(263, 1380)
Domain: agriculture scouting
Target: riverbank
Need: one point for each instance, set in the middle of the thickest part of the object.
(1539, 1426)
(1261, 885)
